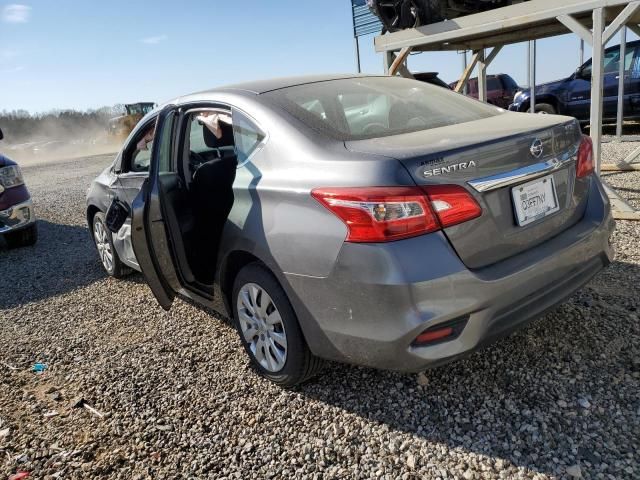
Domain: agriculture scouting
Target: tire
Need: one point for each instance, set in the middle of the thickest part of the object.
(25, 237)
(271, 336)
(400, 14)
(104, 244)
(544, 108)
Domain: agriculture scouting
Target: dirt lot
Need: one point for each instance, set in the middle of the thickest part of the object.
(560, 398)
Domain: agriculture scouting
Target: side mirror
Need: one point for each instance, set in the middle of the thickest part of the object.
(116, 215)
(1, 134)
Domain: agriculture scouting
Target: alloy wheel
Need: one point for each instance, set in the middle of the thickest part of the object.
(103, 245)
(262, 327)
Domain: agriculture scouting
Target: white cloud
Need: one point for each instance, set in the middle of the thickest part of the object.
(16, 13)
(154, 40)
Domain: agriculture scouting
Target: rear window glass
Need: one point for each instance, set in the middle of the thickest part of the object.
(361, 108)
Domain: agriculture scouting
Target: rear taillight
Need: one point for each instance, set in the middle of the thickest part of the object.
(452, 204)
(379, 214)
(382, 214)
(584, 165)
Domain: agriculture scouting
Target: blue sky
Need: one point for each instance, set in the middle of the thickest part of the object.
(86, 54)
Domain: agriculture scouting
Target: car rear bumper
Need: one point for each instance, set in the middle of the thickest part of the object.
(380, 297)
(17, 217)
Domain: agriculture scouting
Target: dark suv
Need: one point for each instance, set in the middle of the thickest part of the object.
(500, 89)
(572, 96)
(17, 220)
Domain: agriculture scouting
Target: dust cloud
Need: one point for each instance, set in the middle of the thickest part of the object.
(32, 139)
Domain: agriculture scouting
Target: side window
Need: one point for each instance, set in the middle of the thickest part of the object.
(634, 70)
(165, 144)
(203, 142)
(611, 62)
(248, 137)
(140, 155)
(315, 107)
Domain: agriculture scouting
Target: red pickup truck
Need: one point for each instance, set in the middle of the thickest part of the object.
(501, 89)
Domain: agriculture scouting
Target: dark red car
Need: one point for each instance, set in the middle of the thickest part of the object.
(501, 89)
(17, 219)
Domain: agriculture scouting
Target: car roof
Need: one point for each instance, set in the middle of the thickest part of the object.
(258, 87)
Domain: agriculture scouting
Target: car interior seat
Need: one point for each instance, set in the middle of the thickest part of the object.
(212, 199)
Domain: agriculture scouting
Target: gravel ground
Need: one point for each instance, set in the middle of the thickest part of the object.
(557, 399)
(627, 184)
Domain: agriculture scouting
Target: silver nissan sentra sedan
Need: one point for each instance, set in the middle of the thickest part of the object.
(372, 220)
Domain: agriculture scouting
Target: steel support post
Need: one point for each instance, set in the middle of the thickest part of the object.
(357, 45)
(465, 89)
(597, 70)
(532, 76)
(387, 60)
(621, 82)
(482, 76)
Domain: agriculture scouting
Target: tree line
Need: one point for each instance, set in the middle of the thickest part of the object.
(20, 126)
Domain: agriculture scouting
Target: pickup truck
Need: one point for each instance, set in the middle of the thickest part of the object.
(501, 89)
(572, 95)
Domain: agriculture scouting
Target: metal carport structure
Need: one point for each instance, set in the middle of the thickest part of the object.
(594, 21)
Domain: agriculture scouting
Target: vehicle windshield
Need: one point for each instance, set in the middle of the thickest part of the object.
(372, 107)
(139, 108)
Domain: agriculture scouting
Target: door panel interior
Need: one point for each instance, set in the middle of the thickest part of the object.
(179, 219)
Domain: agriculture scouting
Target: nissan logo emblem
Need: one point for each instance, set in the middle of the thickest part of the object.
(536, 148)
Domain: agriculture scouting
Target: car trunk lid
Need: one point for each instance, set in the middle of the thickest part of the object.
(477, 155)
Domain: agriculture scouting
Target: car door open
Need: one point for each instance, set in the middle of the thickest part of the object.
(149, 235)
(180, 213)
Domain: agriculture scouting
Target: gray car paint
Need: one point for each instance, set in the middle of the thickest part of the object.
(365, 303)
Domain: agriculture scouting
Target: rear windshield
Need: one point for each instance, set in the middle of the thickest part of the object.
(372, 107)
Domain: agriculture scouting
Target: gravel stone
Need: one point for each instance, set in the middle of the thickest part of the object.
(624, 183)
(180, 400)
(584, 403)
(574, 471)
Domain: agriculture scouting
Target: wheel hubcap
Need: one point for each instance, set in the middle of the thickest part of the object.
(104, 247)
(262, 327)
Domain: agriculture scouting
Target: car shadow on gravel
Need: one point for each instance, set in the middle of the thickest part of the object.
(560, 392)
(63, 259)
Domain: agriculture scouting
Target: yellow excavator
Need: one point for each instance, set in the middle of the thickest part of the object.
(121, 126)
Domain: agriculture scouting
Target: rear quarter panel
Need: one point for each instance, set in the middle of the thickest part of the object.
(274, 215)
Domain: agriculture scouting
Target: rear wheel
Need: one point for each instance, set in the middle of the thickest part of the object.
(269, 329)
(104, 243)
(22, 238)
(544, 109)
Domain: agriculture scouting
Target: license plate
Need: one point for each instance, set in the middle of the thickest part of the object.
(535, 200)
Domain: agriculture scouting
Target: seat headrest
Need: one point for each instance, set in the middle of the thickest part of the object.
(226, 140)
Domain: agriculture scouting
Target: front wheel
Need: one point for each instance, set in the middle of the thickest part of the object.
(269, 329)
(104, 244)
(544, 109)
